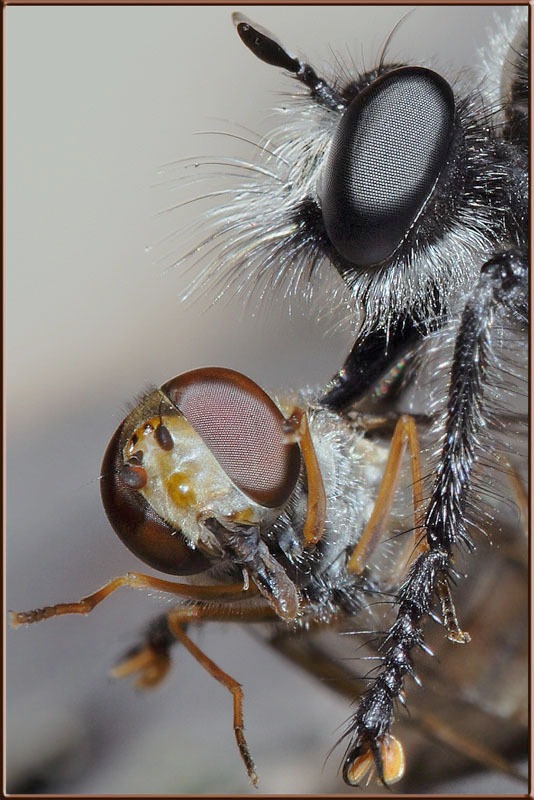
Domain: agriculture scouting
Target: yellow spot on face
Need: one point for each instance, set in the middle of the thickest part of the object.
(180, 490)
(246, 515)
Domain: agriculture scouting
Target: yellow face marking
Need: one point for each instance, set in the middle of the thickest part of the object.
(180, 490)
(186, 483)
(246, 515)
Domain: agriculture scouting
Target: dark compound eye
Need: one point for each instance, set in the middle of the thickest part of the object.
(388, 151)
(243, 429)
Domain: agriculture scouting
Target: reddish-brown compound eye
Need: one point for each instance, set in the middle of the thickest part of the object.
(136, 523)
(242, 428)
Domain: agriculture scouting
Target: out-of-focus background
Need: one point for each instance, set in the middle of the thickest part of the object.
(97, 100)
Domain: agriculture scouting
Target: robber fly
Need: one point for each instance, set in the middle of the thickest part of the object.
(428, 669)
(413, 188)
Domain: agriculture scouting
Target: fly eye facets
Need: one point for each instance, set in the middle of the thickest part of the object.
(386, 155)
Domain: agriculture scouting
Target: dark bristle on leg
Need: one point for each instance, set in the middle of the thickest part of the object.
(374, 716)
(502, 286)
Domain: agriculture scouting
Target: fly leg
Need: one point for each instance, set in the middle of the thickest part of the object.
(299, 430)
(404, 436)
(229, 683)
(502, 286)
(336, 674)
(388, 751)
(134, 580)
(150, 661)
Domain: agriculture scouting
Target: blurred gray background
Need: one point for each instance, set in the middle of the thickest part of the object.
(97, 99)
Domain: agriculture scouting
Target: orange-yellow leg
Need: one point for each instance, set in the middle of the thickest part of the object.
(150, 664)
(134, 580)
(316, 511)
(227, 681)
(150, 661)
(404, 436)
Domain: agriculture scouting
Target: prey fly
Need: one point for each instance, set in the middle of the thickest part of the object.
(285, 515)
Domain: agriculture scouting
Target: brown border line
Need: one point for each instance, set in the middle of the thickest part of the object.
(500, 3)
(261, 3)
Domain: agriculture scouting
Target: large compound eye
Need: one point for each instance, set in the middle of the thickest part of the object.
(388, 151)
(135, 522)
(242, 428)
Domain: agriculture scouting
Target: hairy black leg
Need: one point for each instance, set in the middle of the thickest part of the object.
(369, 360)
(502, 285)
(380, 357)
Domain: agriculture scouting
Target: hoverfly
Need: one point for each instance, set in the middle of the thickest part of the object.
(282, 509)
(66, 427)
